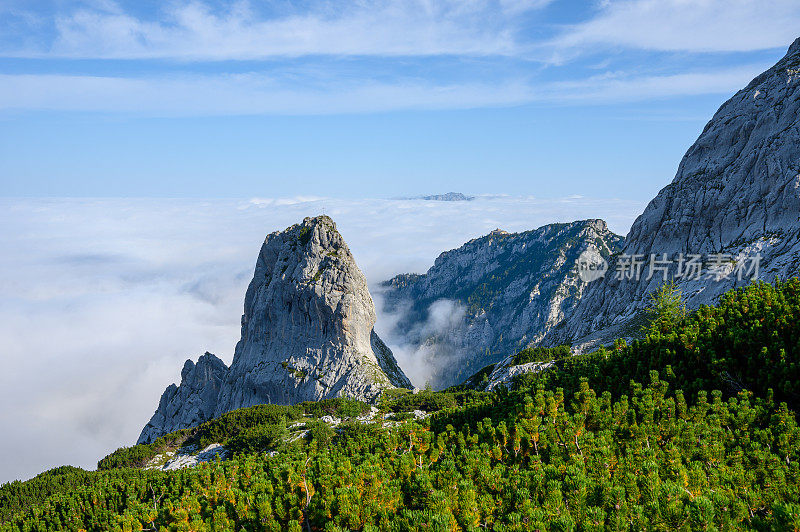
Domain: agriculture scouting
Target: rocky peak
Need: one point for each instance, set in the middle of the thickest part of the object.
(736, 192)
(794, 48)
(307, 334)
(191, 403)
(509, 288)
(308, 325)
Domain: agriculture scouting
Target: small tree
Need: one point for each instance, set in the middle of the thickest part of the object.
(666, 308)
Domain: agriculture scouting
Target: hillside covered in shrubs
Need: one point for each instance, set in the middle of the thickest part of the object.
(692, 427)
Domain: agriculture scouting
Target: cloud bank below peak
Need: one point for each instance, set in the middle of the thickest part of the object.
(101, 301)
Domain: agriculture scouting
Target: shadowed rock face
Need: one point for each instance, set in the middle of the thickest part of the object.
(191, 403)
(307, 334)
(737, 191)
(509, 288)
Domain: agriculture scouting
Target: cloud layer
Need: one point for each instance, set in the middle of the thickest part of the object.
(101, 301)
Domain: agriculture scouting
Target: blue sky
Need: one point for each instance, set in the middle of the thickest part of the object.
(193, 98)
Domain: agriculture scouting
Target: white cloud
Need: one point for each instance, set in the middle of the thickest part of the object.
(243, 94)
(685, 25)
(193, 30)
(101, 301)
(257, 94)
(422, 364)
(621, 87)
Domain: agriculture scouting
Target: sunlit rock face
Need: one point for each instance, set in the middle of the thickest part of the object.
(493, 296)
(307, 334)
(191, 403)
(308, 325)
(736, 193)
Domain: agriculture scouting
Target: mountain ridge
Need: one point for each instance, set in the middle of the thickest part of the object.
(736, 192)
(508, 287)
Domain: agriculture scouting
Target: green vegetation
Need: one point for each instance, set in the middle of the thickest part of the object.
(139, 455)
(666, 310)
(690, 428)
(541, 354)
(304, 235)
(750, 341)
(341, 407)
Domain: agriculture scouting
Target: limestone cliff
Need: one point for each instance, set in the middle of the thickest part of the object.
(191, 403)
(307, 329)
(307, 334)
(736, 194)
(508, 289)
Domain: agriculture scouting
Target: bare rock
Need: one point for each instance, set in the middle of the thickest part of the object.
(736, 192)
(191, 403)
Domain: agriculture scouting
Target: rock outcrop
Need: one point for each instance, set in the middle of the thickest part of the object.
(506, 290)
(506, 371)
(308, 325)
(307, 334)
(736, 194)
(191, 403)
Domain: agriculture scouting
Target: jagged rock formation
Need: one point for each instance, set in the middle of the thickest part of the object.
(507, 288)
(191, 403)
(736, 192)
(308, 325)
(307, 334)
(505, 371)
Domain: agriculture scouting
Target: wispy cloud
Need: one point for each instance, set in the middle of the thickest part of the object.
(258, 94)
(239, 94)
(624, 87)
(194, 30)
(433, 54)
(684, 26)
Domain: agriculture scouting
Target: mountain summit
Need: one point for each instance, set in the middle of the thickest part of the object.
(308, 325)
(307, 334)
(736, 195)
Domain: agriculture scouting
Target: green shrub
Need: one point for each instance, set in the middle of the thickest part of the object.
(258, 438)
(319, 433)
(425, 400)
(541, 354)
(341, 407)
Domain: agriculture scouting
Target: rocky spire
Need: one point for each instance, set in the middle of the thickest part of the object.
(307, 334)
(307, 328)
(191, 403)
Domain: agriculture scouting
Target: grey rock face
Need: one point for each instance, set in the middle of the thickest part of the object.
(510, 289)
(191, 403)
(505, 371)
(307, 334)
(307, 328)
(737, 191)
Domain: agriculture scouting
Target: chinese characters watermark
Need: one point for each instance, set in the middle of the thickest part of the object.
(713, 266)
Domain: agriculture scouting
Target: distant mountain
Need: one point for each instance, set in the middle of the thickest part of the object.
(505, 291)
(450, 196)
(307, 334)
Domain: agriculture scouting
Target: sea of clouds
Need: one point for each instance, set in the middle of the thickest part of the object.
(102, 300)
